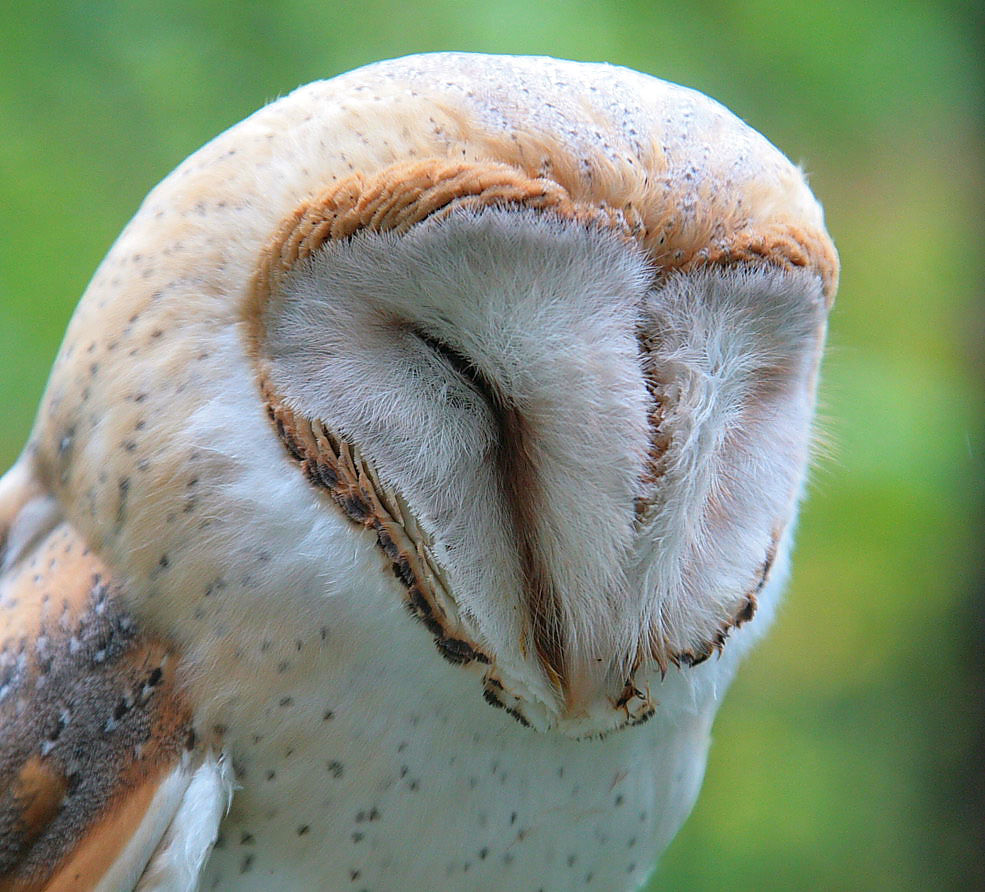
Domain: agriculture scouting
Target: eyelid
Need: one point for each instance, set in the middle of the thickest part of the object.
(464, 367)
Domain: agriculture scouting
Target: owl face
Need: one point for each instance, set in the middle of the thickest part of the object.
(558, 376)
(579, 473)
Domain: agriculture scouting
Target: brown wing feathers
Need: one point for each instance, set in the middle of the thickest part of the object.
(90, 719)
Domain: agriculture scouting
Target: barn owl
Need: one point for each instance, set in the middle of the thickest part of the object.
(416, 469)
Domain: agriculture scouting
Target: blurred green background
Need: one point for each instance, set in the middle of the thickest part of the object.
(845, 755)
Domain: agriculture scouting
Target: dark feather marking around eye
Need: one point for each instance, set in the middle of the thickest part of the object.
(462, 366)
(517, 470)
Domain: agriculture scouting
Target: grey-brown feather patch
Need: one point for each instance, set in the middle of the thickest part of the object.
(88, 707)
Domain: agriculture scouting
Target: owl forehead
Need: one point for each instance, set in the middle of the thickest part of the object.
(697, 184)
(675, 170)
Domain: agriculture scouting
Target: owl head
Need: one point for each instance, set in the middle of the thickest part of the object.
(525, 349)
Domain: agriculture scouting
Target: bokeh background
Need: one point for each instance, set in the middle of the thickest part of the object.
(846, 755)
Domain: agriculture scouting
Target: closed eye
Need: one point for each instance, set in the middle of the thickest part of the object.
(464, 367)
(517, 471)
